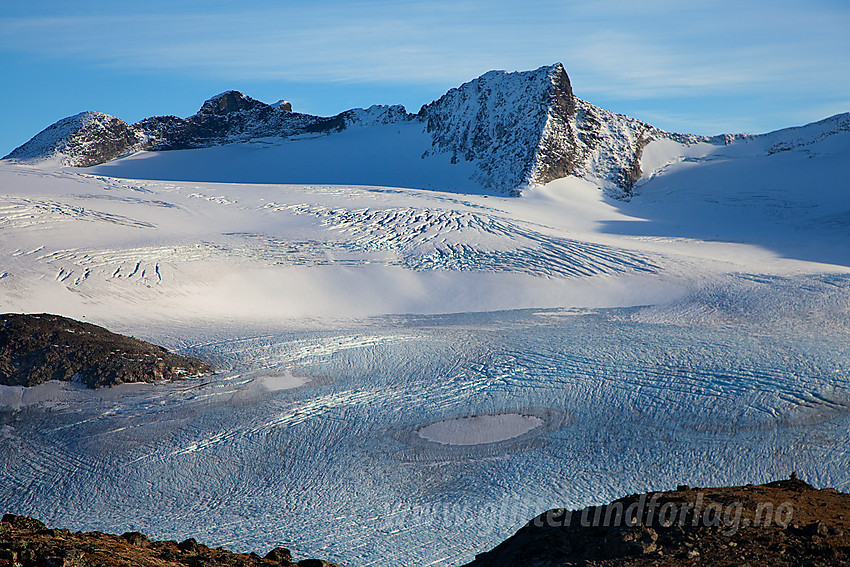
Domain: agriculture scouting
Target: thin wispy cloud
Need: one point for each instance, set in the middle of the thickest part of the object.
(441, 42)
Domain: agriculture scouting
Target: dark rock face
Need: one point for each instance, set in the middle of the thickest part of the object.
(156, 129)
(89, 138)
(25, 542)
(38, 348)
(279, 555)
(102, 141)
(230, 101)
(630, 175)
(780, 524)
(559, 153)
(228, 118)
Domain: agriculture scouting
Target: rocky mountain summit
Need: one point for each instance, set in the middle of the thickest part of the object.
(27, 542)
(516, 129)
(231, 117)
(85, 139)
(786, 523)
(38, 348)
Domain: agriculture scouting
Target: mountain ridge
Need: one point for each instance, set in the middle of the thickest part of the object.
(516, 129)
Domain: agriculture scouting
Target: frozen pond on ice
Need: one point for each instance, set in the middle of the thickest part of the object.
(480, 429)
(319, 440)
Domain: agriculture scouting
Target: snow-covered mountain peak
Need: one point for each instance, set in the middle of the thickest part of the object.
(497, 121)
(84, 119)
(500, 132)
(85, 139)
(528, 128)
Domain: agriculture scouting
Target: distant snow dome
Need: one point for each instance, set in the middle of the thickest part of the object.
(480, 429)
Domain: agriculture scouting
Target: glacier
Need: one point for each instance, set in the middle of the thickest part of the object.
(367, 309)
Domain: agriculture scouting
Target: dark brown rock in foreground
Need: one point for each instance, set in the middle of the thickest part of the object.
(38, 348)
(25, 542)
(781, 524)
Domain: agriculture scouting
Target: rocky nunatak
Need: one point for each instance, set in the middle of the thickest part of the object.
(786, 523)
(42, 347)
(26, 542)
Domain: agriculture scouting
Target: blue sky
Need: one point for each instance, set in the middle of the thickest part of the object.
(701, 67)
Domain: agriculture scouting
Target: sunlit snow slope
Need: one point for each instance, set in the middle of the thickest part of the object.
(696, 333)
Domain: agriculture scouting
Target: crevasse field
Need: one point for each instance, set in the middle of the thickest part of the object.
(406, 376)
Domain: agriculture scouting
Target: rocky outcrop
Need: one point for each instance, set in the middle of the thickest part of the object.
(780, 524)
(38, 348)
(231, 117)
(558, 151)
(88, 138)
(26, 542)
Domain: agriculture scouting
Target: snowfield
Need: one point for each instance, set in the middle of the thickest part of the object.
(407, 375)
